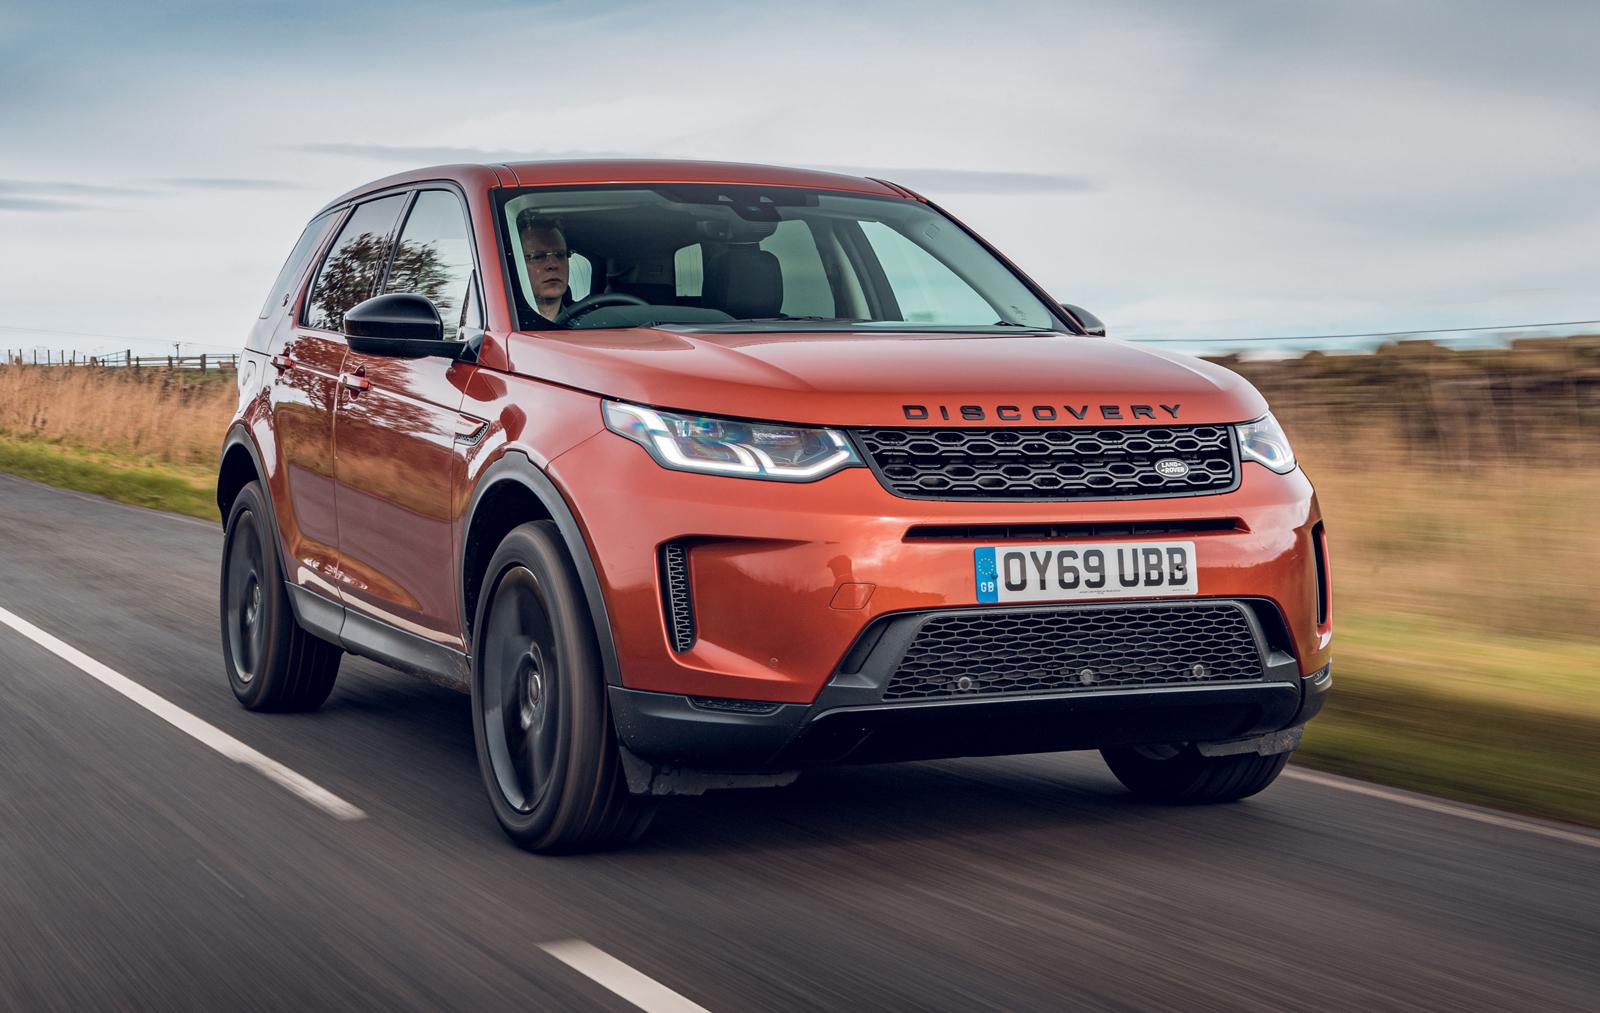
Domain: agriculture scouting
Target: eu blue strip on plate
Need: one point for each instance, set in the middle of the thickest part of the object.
(987, 576)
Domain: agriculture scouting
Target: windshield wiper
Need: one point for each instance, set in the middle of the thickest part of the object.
(797, 320)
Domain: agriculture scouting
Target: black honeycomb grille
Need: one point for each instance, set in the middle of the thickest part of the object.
(1051, 464)
(1077, 648)
(677, 601)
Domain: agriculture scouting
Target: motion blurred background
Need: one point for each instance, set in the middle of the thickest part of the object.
(1383, 216)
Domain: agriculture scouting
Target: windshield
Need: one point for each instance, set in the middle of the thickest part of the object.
(725, 257)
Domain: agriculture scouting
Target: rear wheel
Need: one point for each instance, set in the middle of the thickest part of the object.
(273, 664)
(546, 748)
(1181, 775)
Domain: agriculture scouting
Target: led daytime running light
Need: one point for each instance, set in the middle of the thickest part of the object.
(654, 430)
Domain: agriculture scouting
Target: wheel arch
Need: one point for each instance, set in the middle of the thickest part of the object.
(241, 465)
(513, 491)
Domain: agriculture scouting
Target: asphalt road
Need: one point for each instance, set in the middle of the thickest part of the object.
(140, 869)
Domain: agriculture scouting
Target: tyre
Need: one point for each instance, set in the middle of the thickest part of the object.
(273, 664)
(1180, 775)
(546, 747)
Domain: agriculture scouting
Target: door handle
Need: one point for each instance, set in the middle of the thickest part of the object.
(355, 383)
(282, 363)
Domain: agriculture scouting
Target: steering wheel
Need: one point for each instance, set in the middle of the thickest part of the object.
(583, 306)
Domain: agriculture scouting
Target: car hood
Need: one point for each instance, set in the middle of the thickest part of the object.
(888, 379)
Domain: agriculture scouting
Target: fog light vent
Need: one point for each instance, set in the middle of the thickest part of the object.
(676, 599)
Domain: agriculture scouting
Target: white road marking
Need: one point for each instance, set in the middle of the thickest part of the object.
(634, 986)
(1449, 809)
(187, 723)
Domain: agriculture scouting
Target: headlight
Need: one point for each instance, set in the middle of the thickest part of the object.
(1264, 441)
(714, 446)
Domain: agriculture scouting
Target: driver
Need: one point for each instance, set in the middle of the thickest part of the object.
(544, 250)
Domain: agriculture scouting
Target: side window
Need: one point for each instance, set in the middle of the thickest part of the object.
(310, 239)
(928, 292)
(806, 292)
(350, 272)
(434, 258)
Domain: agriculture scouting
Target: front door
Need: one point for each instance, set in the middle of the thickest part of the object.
(306, 388)
(395, 456)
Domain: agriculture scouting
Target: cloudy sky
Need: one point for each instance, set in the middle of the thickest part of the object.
(1229, 169)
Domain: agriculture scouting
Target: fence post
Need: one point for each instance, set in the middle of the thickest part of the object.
(202, 362)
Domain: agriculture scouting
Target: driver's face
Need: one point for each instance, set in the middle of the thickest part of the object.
(545, 252)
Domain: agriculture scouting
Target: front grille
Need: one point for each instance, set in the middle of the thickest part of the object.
(1080, 647)
(1050, 464)
(677, 601)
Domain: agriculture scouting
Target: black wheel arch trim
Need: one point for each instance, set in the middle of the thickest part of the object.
(515, 466)
(239, 436)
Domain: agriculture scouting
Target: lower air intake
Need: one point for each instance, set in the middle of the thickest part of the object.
(1078, 648)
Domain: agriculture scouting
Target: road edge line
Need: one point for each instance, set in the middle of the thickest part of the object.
(1434, 805)
(197, 728)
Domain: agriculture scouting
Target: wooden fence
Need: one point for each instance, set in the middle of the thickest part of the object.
(120, 360)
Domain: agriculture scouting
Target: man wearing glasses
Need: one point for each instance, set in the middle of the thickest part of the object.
(544, 249)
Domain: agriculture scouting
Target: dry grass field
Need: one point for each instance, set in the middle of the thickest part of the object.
(1459, 489)
(147, 437)
(159, 416)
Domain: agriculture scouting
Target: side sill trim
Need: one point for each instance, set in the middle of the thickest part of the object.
(370, 638)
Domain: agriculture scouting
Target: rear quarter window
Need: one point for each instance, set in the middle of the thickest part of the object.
(295, 266)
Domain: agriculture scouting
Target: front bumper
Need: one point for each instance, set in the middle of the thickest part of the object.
(678, 731)
(786, 577)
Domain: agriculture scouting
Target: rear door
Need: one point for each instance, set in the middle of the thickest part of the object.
(396, 457)
(305, 390)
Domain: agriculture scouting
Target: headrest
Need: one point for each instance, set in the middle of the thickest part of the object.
(744, 282)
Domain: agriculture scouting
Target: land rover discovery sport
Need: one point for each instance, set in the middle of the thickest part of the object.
(694, 475)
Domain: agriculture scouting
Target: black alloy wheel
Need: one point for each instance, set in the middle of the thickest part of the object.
(547, 751)
(243, 610)
(522, 684)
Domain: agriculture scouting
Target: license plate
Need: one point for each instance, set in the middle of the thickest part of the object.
(1091, 570)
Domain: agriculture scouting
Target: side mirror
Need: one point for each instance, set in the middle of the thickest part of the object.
(404, 325)
(1088, 321)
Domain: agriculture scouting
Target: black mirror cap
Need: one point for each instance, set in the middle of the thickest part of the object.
(401, 324)
(1090, 323)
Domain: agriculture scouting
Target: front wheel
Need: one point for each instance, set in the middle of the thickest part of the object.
(1181, 775)
(546, 749)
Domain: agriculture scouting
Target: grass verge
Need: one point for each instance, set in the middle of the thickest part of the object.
(182, 489)
(1504, 721)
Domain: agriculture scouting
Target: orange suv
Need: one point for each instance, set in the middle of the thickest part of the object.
(696, 474)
